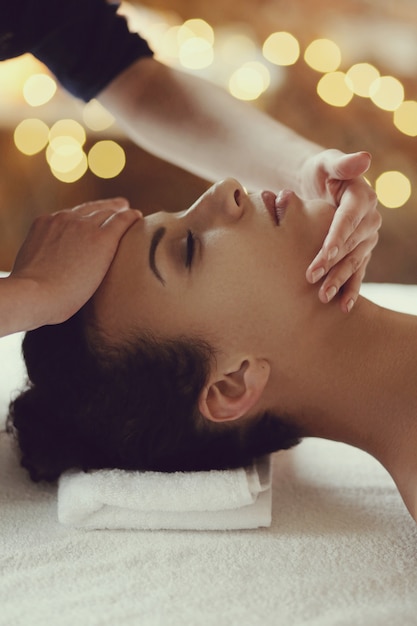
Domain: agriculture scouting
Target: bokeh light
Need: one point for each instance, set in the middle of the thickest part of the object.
(360, 78)
(198, 28)
(106, 159)
(96, 117)
(393, 189)
(387, 93)
(195, 44)
(233, 54)
(323, 55)
(13, 75)
(168, 46)
(74, 174)
(281, 48)
(31, 136)
(332, 88)
(405, 118)
(249, 81)
(39, 89)
(196, 53)
(68, 128)
(64, 154)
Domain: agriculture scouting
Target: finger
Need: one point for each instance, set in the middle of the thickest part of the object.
(334, 247)
(366, 233)
(351, 225)
(100, 213)
(101, 216)
(122, 220)
(350, 291)
(113, 204)
(360, 237)
(358, 200)
(342, 272)
(350, 165)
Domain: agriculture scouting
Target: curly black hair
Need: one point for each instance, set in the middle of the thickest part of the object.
(89, 406)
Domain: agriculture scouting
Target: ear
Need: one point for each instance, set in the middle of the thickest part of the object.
(235, 393)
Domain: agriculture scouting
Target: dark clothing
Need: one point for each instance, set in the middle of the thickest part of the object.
(84, 43)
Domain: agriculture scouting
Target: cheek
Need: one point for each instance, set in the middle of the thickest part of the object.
(319, 216)
(234, 292)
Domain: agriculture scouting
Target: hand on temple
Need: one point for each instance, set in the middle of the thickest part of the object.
(342, 260)
(63, 261)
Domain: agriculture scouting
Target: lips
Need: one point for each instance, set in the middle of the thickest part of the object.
(277, 204)
(281, 203)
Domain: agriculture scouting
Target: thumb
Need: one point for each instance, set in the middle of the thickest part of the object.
(351, 165)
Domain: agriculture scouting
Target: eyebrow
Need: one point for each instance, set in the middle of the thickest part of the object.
(156, 238)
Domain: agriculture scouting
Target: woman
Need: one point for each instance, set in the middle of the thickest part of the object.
(205, 346)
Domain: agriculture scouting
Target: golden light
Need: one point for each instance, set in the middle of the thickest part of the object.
(198, 28)
(106, 159)
(262, 70)
(281, 48)
(323, 55)
(387, 93)
(196, 53)
(13, 75)
(168, 45)
(247, 82)
(64, 154)
(74, 174)
(360, 78)
(393, 189)
(39, 89)
(68, 128)
(183, 34)
(96, 117)
(333, 90)
(405, 118)
(31, 136)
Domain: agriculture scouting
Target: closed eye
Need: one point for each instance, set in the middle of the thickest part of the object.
(190, 248)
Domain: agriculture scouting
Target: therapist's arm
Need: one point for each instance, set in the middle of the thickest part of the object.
(202, 128)
(61, 263)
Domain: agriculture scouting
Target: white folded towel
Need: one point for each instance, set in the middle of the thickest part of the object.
(215, 500)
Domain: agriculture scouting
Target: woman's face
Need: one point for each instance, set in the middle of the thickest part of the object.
(230, 269)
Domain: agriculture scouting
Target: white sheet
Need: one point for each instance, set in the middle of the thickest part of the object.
(341, 551)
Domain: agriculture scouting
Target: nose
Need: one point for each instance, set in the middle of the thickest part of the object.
(223, 202)
(229, 197)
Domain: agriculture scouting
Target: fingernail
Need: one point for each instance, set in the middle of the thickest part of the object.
(317, 274)
(330, 293)
(333, 252)
(349, 305)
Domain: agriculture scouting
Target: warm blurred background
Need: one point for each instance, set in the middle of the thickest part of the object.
(343, 74)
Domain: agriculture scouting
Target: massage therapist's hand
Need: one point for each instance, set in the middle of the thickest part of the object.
(337, 177)
(66, 256)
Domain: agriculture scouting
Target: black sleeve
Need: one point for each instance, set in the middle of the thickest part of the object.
(84, 43)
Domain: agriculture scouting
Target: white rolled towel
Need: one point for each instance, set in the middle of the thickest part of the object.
(214, 500)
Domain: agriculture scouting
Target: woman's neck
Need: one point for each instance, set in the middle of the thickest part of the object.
(356, 382)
